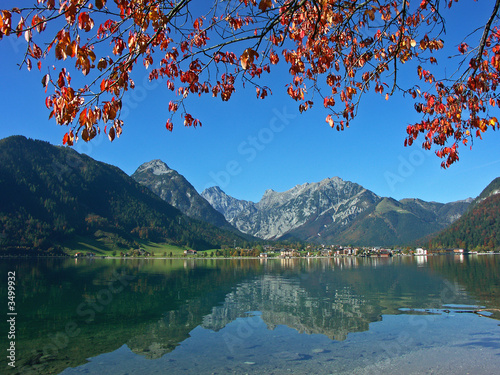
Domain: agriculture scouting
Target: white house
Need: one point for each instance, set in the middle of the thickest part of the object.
(420, 251)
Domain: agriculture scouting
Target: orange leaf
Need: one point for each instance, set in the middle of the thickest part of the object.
(68, 138)
(248, 57)
(5, 19)
(83, 117)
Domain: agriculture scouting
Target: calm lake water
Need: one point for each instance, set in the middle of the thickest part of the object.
(410, 315)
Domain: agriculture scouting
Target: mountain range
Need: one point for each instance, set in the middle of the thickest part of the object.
(334, 211)
(54, 195)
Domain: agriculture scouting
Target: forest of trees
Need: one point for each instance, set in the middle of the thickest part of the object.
(476, 230)
(52, 194)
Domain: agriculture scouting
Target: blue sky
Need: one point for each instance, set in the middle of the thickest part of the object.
(247, 145)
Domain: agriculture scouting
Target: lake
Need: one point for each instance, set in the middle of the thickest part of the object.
(408, 315)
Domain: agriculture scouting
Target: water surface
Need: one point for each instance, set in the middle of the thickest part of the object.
(290, 316)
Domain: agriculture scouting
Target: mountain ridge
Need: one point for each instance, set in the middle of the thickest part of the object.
(335, 211)
(478, 228)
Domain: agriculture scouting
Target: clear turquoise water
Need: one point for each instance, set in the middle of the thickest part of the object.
(318, 316)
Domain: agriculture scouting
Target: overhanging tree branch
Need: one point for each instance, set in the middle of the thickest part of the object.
(338, 50)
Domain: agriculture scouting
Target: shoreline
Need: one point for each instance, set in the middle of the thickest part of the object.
(238, 257)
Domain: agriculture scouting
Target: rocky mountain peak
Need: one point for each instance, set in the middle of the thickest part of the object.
(156, 167)
(173, 188)
(213, 190)
(332, 180)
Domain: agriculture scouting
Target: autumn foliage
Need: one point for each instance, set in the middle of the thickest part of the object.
(335, 51)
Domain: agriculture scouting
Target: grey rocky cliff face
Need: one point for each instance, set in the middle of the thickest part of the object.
(228, 206)
(328, 211)
(335, 211)
(279, 213)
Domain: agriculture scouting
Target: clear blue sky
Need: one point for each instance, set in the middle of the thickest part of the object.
(247, 145)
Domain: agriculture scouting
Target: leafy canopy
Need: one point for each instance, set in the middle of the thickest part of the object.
(336, 51)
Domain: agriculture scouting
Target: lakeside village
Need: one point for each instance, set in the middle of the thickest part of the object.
(303, 251)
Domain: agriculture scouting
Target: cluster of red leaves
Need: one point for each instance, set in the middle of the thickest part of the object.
(459, 112)
(339, 49)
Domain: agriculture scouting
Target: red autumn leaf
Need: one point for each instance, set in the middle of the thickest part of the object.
(45, 81)
(172, 107)
(102, 64)
(188, 120)
(169, 125)
(335, 40)
(118, 127)
(111, 134)
(85, 22)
